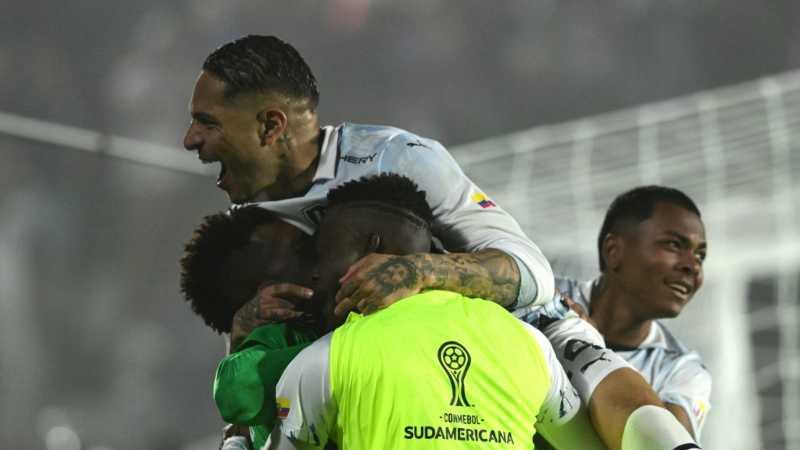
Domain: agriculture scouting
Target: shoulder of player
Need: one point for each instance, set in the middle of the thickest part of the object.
(577, 291)
(311, 357)
(665, 339)
(361, 143)
(675, 351)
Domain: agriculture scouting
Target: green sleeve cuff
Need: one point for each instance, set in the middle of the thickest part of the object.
(244, 384)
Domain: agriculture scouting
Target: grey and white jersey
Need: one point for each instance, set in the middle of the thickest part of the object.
(676, 373)
(465, 218)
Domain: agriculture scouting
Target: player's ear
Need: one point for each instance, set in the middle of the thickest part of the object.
(272, 124)
(612, 248)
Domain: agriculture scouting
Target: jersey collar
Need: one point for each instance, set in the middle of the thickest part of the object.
(656, 338)
(329, 152)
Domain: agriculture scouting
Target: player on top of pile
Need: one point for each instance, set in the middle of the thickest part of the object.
(254, 110)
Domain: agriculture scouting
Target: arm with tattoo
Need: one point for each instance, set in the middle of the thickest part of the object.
(379, 280)
(489, 274)
(274, 303)
(245, 321)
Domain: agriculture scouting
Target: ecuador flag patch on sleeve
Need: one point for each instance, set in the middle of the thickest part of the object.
(482, 200)
(283, 407)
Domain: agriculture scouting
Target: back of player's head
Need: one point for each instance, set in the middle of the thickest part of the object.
(385, 214)
(637, 205)
(389, 206)
(387, 189)
(226, 260)
(262, 64)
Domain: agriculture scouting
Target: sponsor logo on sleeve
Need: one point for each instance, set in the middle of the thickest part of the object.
(283, 407)
(416, 143)
(482, 200)
(356, 159)
(575, 347)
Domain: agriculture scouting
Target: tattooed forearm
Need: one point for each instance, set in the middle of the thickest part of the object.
(394, 273)
(489, 274)
(245, 320)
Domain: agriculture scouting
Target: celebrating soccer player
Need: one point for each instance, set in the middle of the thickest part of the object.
(254, 110)
(245, 379)
(651, 249)
(442, 382)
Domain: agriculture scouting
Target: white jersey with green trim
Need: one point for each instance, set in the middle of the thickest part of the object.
(676, 373)
(465, 218)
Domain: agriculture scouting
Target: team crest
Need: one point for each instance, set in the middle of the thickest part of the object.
(455, 361)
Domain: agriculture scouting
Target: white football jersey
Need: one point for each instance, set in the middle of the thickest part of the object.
(676, 373)
(465, 218)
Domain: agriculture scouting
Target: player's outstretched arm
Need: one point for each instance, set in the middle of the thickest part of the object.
(563, 420)
(625, 411)
(377, 280)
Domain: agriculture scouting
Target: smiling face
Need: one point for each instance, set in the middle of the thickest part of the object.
(232, 132)
(658, 263)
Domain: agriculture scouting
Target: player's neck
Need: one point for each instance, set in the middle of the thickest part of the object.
(616, 320)
(303, 154)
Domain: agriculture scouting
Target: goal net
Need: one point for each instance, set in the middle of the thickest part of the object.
(736, 152)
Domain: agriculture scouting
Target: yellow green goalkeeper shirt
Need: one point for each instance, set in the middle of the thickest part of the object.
(435, 370)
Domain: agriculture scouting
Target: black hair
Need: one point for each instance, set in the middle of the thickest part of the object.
(203, 275)
(262, 64)
(637, 205)
(387, 188)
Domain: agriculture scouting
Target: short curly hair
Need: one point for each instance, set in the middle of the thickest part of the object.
(388, 188)
(637, 205)
(204, 279)
(262, 64)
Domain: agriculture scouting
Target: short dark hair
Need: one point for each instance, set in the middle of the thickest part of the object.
(637, 205)
(262, 64)
(203, 274)
(387, 188)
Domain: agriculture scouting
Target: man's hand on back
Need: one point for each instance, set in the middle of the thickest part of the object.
(273, 303)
